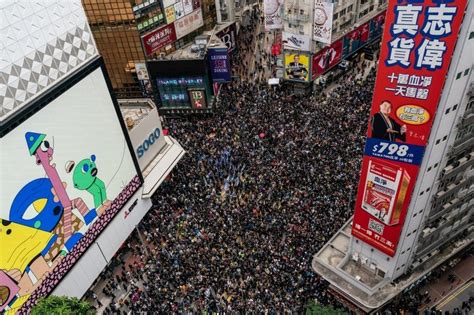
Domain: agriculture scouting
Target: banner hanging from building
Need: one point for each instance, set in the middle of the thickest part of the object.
(189, 23)
(376, 25)
(326, 58)
(228, 36)
(219, 63)
(322, 21)
(297, 67)
(159, 38)
(418, 43)
(273, 14)
(296, 41)
(355, 39)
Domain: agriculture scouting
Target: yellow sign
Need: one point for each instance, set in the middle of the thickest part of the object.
(413, 114)
(297, 67)
(169, 13)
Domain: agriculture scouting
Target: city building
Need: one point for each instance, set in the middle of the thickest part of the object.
(77, 169)
(379, 253)
(120, 28)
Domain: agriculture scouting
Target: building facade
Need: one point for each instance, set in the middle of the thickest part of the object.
(120, 26)
(439, 217)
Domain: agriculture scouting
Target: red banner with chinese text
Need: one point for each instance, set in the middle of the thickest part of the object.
(418, 42)
(159, 38)
(326, 58)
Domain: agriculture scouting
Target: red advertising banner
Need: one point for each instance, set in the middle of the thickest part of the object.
(159, 38)
(418, 42)
(326, 58)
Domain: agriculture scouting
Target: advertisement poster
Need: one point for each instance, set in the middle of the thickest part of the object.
(355, 39)
(296, 41)
(272, 10)
(197, 98)
(326, 58)
(144, 79)
(188, 6)
(221, 71)
(322, 22)
(167, 3)
(189, 23)
(178, 9)
(417, 46)
(169, 14)
(297, 67)
(159, 38)
(67, 172)
(376, 25)
(228, 36)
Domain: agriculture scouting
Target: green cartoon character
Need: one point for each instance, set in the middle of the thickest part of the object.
(85, 177)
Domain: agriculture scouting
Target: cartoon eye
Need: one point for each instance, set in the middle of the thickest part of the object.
(44, 146)
(85, 168)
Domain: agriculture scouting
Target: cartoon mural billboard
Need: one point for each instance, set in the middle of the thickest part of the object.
(65, 172)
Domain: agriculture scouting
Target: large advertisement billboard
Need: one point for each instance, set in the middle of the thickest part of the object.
(322, 21)
(188, 23)
(66, 171)
(220, 65)
(296, 42)
(159, 38)
(228, 36)
(272, 10)
(326, 58)
(297, 67)
(418, 42)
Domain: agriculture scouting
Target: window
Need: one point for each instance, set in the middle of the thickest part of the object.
(343, 11)
(349, 8)
(335, 16)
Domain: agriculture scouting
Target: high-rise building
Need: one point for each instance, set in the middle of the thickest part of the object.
(120, 26)
(414, 208)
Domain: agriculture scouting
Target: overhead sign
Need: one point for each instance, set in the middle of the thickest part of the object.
(418, 43)
(219, 63)
(326, 58)
(272, 10)
(159, 38)
(322, 21)
(189, 23)
(197, 98)
(296, 41)
(297, 67)
(228, 36)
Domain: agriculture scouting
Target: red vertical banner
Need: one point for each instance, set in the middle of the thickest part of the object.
(417, 46)
(326, 58)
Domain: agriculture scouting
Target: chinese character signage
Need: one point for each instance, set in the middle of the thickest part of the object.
(159, 38)
(326, 58)
(189, 23)
(322, 21)
(297, 67)
(418, 43)
(220, 65)
(272, 10)
(296, 41)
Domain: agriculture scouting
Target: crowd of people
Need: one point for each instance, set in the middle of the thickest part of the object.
(264, 184)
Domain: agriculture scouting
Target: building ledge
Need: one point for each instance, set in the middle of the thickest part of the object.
(332, 260)
(159, 168)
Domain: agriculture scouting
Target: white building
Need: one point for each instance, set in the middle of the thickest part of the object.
(439, 220)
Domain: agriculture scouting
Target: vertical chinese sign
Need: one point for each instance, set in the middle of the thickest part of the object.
(418, 43)
(220, 65)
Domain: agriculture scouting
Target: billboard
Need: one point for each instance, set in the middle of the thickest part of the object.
(189, 23)
(322, 21)
(159, 38)
(418, 43)
(297, 67)
(66, 172)
(228, 36)
(296, 41)
(355, 39)
(219, 63)
(272, 10)
(326, 58)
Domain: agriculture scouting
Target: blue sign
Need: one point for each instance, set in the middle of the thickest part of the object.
(148, 142)
(220, 65)
(394, 151)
